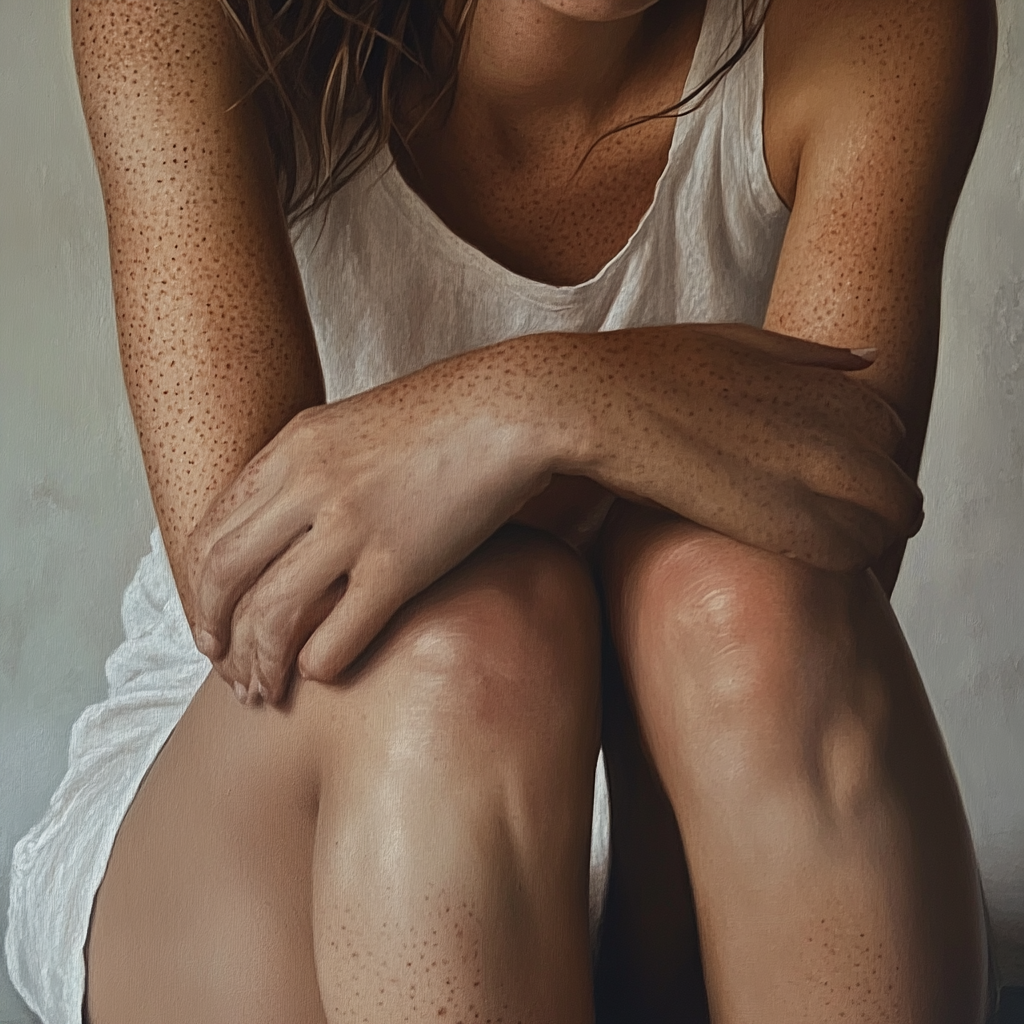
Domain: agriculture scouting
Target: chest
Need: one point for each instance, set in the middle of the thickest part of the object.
(395, 282)
(557, 215)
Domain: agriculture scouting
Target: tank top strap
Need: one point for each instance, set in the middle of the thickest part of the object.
(720, 36)
(734, 103)
(744, 147)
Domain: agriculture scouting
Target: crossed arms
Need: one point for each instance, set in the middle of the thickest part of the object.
(750, 432)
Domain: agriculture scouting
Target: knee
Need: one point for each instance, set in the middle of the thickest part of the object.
(511, 640)
(728, 603)
(762, 663)
(501, 654)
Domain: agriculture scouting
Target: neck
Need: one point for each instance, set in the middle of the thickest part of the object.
(521, 55)
(525, 62)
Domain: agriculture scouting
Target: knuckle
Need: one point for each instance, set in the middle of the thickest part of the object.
(254, 616)
(299, 426)
(269, 661)
(302, 417)
(282, 621)
(215, 566)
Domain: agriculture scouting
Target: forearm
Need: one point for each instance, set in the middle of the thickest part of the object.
(701, 419)
(216, 344)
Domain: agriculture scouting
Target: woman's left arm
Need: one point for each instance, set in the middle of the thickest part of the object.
(872, 114)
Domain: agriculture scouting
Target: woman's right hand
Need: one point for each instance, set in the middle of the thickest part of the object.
(765, 438)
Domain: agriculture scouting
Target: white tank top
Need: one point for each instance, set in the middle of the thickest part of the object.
(391, 289)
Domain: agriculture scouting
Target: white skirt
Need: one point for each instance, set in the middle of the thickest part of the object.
(57, 868)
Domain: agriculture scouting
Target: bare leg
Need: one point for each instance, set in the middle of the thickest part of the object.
(411, 845)
(831, 862)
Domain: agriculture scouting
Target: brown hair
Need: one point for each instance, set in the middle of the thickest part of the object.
(332, 73)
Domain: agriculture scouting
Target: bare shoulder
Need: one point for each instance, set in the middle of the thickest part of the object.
(910, 79)
(148, 64)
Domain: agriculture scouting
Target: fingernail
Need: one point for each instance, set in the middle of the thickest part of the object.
(206, 643)
(867, 354)
(261, 690)
(241, 693)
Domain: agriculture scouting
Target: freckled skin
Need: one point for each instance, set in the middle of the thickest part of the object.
(420, 830)
(216, 343)
(872, 170)
(526, 197)
(871, 116)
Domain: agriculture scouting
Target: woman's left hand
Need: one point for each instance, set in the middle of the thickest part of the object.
(351, 510)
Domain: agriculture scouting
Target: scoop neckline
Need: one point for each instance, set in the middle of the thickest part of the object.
(419, 212)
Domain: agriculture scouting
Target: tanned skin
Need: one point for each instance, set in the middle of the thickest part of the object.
(831, 865)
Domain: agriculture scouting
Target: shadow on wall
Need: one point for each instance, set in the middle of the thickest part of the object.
(1011, 1006)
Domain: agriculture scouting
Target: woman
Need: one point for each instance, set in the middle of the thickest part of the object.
(396, 823)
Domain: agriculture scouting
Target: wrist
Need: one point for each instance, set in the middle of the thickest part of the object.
(556, 407)
(522, 409)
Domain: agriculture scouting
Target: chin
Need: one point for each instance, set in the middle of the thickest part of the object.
(598, 10)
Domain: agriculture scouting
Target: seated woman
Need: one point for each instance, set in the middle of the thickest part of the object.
(559, 414)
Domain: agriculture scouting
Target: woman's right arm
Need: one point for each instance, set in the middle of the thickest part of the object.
(216, 343)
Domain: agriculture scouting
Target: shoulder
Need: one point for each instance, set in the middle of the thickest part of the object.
(908, 79)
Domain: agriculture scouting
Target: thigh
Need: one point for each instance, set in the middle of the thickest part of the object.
(206, 912)
(652, 948)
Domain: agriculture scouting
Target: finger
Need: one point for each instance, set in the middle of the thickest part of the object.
(239, 689)
(279, 613)
(798, 351)
(865, 478)
(233, 564)
(347, 631)
(264, 648)
(876, 422)
(256, 485)
(828, 458)
(845, 405)
(872, 412)
(828, 403)
(871, 534)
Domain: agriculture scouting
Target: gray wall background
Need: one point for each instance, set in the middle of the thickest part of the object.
(75, 513)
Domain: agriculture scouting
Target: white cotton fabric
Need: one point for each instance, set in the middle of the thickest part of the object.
(390, 290)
